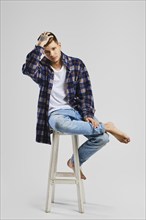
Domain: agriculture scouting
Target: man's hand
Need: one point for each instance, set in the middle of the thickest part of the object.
(43, 39)
(92, 121)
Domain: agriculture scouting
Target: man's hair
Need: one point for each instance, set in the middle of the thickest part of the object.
(53, 38)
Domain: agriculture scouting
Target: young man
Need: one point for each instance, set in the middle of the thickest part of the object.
(65, 101)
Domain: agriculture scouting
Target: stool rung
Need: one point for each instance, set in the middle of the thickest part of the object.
(64, 181)
(65, 174)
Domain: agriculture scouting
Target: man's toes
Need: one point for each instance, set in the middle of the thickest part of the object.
(70, 164)
(82, 176)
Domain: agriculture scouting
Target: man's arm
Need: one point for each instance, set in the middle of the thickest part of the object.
(32, 66)
(85, 93)
(86, 96)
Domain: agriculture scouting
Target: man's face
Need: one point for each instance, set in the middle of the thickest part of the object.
(53, 52)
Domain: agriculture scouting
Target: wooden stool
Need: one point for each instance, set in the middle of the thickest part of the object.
(59, 177)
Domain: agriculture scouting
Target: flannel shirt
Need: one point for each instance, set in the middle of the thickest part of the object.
(78, 88)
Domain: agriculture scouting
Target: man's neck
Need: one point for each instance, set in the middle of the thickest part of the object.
(57, 65)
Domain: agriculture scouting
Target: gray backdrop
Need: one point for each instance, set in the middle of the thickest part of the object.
(109, 37)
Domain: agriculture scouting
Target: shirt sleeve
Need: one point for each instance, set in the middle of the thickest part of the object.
(32, 67)
(85, 94)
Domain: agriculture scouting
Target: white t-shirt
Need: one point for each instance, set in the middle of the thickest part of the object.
(58, 91)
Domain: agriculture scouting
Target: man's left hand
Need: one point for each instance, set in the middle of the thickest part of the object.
(92, 121)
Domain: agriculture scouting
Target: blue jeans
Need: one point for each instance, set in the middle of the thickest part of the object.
(69, 121)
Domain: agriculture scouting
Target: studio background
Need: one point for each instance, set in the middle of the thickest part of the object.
(109, 37)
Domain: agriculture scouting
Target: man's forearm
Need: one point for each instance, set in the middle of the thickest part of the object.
(32, 65)
(32, 60)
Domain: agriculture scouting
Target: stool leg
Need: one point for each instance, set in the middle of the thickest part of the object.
(55, 166)
(83, 191)
(77, 173)
(51, 171)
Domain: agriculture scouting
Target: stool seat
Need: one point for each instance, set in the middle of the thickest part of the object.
(64, 177)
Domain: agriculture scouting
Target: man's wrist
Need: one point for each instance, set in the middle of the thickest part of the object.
(39, 50)
(40, 44)
(88, 116)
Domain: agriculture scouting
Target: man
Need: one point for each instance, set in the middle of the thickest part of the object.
(65, 101)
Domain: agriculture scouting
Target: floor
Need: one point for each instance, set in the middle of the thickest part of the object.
(113, 189)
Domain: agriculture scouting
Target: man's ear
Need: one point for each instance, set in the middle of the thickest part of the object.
(59, 44)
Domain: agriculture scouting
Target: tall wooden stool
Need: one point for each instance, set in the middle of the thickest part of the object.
(64, 177)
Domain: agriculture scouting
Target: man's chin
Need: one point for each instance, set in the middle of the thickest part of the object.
(54, 61)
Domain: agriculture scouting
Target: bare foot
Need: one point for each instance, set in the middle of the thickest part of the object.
(122, 137)
(71, 165)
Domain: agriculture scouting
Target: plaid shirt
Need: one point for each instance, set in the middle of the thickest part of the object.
(78, 88)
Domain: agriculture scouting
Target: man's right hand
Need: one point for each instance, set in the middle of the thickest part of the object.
(94, 122)
(43, 39)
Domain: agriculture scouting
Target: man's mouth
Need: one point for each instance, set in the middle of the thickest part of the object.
(53, 58)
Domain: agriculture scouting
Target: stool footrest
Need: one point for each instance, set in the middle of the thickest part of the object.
(64, 181)
(65, 174)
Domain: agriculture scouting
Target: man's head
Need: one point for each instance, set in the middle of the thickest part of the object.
(53, 49)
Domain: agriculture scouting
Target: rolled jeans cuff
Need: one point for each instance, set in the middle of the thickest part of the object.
(100, 129)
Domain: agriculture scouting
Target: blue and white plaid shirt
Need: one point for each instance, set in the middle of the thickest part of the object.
(78, 88)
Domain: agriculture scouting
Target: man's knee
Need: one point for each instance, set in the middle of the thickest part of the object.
(58, 124)
(55, 122)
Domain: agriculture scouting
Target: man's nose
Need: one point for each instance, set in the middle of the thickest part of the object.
(51, 54)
